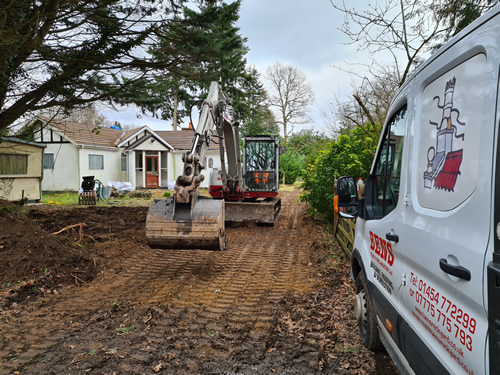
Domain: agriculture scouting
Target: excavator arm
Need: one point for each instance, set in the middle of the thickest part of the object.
(188, 220)
(217, 120)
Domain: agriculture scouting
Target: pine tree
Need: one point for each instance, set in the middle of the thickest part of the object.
(58, 53)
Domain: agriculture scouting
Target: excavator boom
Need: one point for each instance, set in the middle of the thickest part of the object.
(188, 220)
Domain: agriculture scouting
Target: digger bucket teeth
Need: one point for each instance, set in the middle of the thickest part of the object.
(199, 227)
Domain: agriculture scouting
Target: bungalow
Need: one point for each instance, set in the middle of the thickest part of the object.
(21, 170)
(141, 156)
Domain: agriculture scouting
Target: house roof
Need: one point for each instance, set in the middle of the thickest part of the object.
(127, 134)
(131, 137)
(86, 134)
(19, 140)
(182, 139)
(108, 137)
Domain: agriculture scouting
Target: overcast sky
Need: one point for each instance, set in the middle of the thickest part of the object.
(302, 34)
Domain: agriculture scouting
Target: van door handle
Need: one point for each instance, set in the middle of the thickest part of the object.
(392, 237)
(457, 271)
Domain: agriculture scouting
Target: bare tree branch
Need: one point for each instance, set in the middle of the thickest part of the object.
(404, 30)
(291, 95)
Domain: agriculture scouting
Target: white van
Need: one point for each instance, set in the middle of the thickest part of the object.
(426, 257)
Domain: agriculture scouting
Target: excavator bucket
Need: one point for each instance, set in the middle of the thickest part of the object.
(186, 226)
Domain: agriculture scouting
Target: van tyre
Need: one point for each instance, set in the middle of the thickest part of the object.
(365, 316)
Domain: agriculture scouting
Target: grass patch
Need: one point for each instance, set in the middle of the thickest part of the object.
(68, 198)
(71, 199)
(292, 187)
(65, 198)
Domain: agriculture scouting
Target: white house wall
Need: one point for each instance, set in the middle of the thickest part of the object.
(131, 171)
(178, 166)
(151, 146)
(112, 165)
(64, 176)
(175, 165)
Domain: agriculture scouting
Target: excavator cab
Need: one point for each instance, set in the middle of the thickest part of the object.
(261, 166)
(255, 198)
(260, 171)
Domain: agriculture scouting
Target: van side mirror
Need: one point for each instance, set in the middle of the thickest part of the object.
(346, 198)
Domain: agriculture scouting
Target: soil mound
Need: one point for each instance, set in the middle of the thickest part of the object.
(28, 251)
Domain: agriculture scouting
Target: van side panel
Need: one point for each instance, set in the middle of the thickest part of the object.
(448, 219)
(421, 359)
(431, 294)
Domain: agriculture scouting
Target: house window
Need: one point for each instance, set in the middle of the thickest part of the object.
(48, 161)
(138, 160)
(123, 162)
(13, 164)
(96, 162)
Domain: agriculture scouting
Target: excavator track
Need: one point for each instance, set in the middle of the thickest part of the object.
(264, 212)
(183, 227)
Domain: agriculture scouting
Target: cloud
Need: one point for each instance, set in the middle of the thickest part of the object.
(302, 34)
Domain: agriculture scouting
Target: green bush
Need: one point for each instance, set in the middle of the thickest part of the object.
(308, 143)
(351, 154)
(291, 165)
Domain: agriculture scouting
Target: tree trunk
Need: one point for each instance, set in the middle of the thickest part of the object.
(174, 119)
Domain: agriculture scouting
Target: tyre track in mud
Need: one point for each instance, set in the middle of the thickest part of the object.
(213, 302)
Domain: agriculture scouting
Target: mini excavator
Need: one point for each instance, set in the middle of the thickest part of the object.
(239, 191)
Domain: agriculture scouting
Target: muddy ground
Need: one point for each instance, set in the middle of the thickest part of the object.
(95, 299)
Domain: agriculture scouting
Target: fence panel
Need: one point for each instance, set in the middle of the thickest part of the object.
(344, 233)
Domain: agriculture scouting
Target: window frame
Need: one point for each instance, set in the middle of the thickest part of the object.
(52, 161)
(381, 181)
(12, 172)
(123, 162)
(91, 166)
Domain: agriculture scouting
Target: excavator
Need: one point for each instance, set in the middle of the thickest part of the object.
(239, 192)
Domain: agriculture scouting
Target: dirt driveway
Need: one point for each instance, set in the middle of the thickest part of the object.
(95, 299)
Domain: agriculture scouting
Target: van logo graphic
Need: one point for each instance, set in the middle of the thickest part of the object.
(443, 162)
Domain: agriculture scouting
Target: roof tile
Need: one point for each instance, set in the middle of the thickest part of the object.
(87, 134)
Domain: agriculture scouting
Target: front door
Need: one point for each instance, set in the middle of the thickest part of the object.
(152, 172)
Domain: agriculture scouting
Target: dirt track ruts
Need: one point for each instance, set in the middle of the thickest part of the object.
(187, 310)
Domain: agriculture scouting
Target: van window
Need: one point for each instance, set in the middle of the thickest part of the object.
(388, 166)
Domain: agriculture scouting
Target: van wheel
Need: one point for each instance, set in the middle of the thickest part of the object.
(365, 316)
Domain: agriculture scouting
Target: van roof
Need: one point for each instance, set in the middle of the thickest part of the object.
(467, 30)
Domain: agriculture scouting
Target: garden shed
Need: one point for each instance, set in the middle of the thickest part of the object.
(21, 170)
